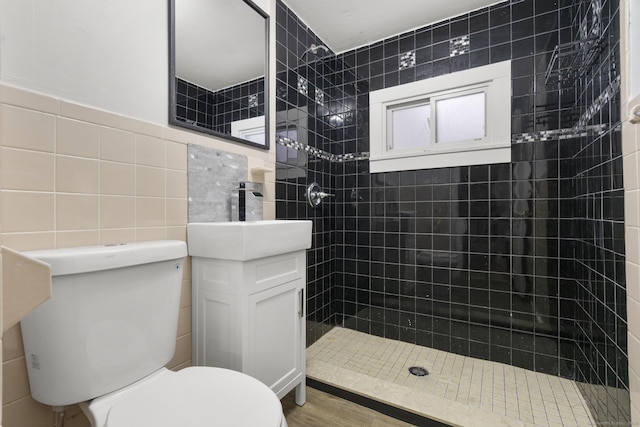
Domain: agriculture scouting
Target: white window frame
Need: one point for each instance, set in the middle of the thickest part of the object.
(250, 129)
(494, 80)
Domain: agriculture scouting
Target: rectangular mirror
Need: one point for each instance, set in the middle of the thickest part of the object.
(218, 62)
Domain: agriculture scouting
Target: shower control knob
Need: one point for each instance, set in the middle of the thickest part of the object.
(315, 195)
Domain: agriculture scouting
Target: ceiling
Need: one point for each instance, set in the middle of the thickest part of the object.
(346, 24)
(228, 36)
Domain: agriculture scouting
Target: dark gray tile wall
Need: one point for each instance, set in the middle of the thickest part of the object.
(300, 116)
(461, 259)
(594, 217)
(520, 263)
(217, 110)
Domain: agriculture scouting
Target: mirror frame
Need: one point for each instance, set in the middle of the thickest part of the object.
(172, 82)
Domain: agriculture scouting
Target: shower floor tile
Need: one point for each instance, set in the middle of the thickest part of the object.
(459, 390)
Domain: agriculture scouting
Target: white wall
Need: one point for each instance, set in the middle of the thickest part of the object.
(634, 48)
(111, 55)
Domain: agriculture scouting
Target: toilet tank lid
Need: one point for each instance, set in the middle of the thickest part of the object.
(96, 258)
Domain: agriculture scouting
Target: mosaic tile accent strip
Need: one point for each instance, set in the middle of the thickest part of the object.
(316, 152)
(459, 46)
(319, 97)
(303, 85)
(253, 100)
(349, 157)
(557, 134)
(580, 128)
(592, 27)
(598, 103)
(407, 60)
(212, 176)
(459, 388)
(320, 154)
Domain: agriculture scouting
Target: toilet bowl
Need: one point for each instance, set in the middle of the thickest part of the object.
(187, 398)
(104, 337)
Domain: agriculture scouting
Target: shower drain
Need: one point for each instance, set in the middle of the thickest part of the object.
(418, 371)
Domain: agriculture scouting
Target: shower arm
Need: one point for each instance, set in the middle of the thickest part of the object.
(314, 49)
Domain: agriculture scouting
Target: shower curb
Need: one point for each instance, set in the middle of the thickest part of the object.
(383, 408)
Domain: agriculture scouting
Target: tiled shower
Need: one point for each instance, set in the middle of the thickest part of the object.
(216, 110)
(519, 263)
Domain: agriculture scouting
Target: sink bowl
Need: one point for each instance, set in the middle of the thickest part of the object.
(243, 241)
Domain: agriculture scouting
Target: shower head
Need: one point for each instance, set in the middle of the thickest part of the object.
(314, 49)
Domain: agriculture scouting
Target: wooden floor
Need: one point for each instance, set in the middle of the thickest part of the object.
(325, 410)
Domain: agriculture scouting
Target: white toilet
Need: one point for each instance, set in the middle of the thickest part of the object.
(107, 332)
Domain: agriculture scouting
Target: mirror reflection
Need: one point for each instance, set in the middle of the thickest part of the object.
(218, 69)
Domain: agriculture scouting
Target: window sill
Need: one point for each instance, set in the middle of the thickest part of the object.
(431, 159)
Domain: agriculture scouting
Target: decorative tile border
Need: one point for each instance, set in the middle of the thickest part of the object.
(459, 45)
(567, 133)
(598, 103)
(580, 128)
(591, 24)
(407, 60)
(321, 154)
(253, 100)
(303, 85)
(320, 96)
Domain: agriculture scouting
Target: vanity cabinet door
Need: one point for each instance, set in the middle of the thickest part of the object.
(249, 316)
(275, 336)
(216, 330)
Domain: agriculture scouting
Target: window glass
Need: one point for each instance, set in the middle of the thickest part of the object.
(410, 127)
(456, 119)
(460, 118)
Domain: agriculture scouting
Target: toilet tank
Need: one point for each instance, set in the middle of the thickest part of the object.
(111, 320)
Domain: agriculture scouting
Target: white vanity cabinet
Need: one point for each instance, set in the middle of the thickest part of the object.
(249, 315)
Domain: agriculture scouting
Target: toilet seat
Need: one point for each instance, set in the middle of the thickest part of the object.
(198, 396)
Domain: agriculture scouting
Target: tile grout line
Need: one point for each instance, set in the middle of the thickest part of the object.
(489, 386)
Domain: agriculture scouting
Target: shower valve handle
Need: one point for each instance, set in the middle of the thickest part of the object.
(322, 194)
(315, 195)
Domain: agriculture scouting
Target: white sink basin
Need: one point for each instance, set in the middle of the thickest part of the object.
(243, 241)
